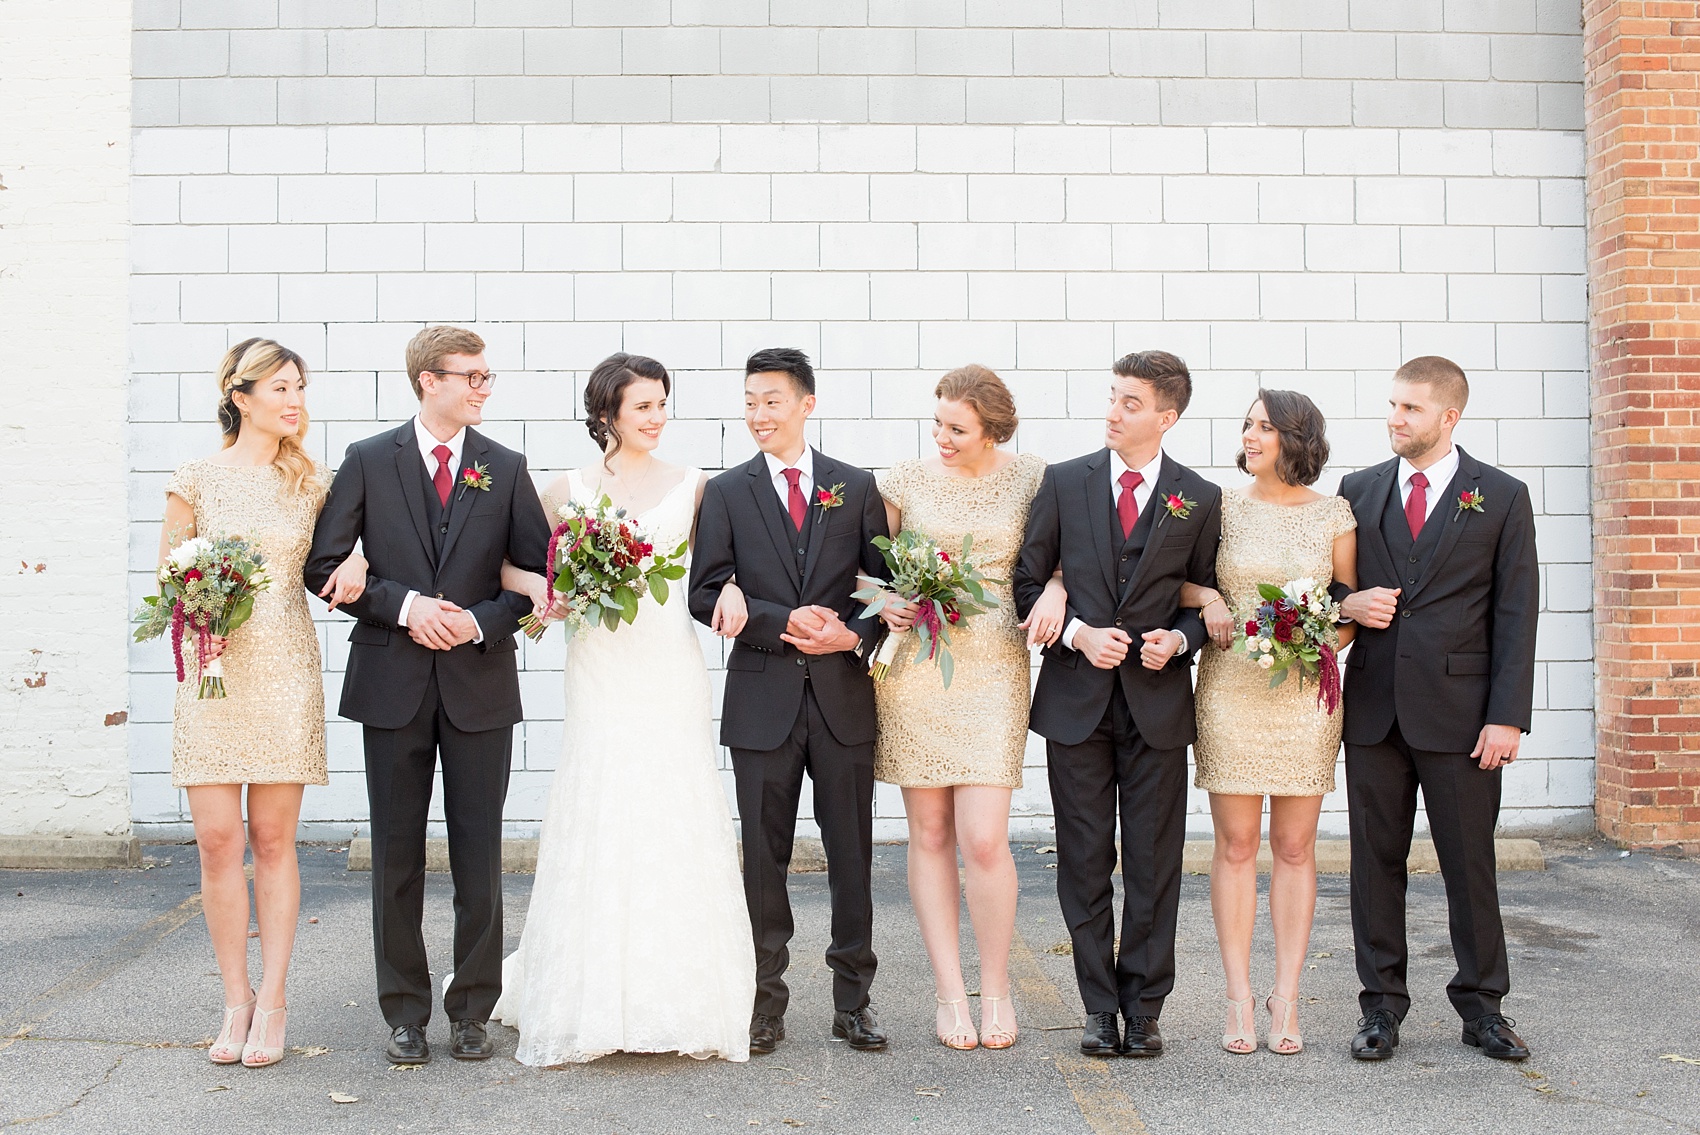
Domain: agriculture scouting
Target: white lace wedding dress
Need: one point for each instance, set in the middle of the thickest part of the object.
(637, 938)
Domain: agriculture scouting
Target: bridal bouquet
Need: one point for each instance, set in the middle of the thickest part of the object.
(1293, 629)
(946, 590)
(602, 563)
(206, 588)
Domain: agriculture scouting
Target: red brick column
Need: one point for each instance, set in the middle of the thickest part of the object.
(1643, 170)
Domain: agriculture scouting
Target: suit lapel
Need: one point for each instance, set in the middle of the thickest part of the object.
(474, 450)
(1099, 506)
(1369, 522)
(815, 519)
(1168, 481)
(1469, 474)
(408, 464)
(776, 522)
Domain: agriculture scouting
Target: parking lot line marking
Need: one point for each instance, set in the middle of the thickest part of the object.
(97, 969)
(1106, 1109)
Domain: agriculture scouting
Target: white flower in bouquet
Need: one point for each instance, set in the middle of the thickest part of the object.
(184, 555)
(1266, 661)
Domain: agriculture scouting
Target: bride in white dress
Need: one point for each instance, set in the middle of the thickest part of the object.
(637, 938)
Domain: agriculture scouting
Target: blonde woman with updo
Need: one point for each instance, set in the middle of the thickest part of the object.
(269, 733)
(956, 752)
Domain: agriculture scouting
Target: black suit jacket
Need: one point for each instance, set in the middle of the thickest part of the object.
(377, 499)
(743, 530)
(1461, 651)
(1070, 523)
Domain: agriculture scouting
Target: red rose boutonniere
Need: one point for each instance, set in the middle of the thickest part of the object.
(476, 477)
(1470, 499)
(829, 498)
(1178, 506)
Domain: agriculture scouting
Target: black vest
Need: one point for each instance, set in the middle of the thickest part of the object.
(1411, 557)
(1134, 546)
(435, 512)
(801, 547)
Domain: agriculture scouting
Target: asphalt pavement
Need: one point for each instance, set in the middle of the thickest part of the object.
(108, 999)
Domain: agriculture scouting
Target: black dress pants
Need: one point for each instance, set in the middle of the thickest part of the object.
(769, 785)
(399, 768)
(1112, 768)
(1462, 801)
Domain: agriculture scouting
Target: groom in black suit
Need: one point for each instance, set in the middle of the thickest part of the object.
(1439, 690)
(1128, 525)
(436, 507)
(793, 526)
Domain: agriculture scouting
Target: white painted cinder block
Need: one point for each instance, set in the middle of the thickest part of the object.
(1290, 194)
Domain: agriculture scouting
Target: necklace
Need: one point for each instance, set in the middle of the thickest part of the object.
(633, 490)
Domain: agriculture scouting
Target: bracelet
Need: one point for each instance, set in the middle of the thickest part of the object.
(1218, 599)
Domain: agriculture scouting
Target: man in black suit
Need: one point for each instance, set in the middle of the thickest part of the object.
(436, 507)
(1439, 690)
(793, 526)
(1128, 525)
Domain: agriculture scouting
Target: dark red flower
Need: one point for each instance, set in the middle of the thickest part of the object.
(823, 496)
(953, 615)
(944, 555)
(193, 575)
(1283, 632)
(1251, 628)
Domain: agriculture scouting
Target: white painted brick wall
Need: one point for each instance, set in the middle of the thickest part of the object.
(65, 165)
(1296, 192)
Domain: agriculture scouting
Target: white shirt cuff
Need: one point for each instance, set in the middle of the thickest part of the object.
(478, 631)
(1185, 646)
(406, 606)
(1068, 634)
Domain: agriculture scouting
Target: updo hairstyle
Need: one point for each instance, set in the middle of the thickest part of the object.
(984, 393)
(605, 393)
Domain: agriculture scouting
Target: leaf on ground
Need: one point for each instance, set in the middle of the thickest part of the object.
(1046, 850)
(312, 922)
(1064, 948)
(932, 1093)
(793, 1123)
(344, 1097)
(309, 1050)
(218, 1088)
(1531, 1074)
(406, 1067)
(350, 1004)
(1675, 1059)
(1323, 954)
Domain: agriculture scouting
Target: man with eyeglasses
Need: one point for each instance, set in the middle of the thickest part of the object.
(436, 507)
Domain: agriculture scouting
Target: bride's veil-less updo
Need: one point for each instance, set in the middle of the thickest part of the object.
(605, 393)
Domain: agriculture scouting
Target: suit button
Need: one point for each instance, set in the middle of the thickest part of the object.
(799, 662)
(1124, 559)
(1404, 614)
(1413, 559)
(1123, 582)
(1118, 622)
(1413, 579)
(439, 594)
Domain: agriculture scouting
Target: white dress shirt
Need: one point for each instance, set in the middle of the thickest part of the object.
(1439, 476)
(776, 470)
(1141, 497)
(427, 443)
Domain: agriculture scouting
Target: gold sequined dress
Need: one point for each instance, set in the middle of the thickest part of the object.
(270, 729)
(1253, 740)
(976, 731)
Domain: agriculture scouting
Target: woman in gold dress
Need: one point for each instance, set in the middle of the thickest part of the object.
(1256, 741)
(269, 733)
(956, 752)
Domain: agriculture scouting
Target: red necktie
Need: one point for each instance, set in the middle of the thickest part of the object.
(1127, 508)
(441, 478)
(794, 499)
(1416, 507)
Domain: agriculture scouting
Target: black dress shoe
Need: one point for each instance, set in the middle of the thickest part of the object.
(1102, 1036)
(765, 1033)
(408, 1045)
(1492, 1034)
(1143, 1037)
(1378, 1036)
(859, 1028)
(471, 1041)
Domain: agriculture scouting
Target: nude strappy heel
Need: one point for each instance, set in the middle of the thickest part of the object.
(994, 1034)
(1241, 1029)
(961, 1036)
(258, 1055)
(227, 1049)
(1284, 1038)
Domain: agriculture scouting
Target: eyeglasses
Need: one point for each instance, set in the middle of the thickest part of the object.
(474, 378)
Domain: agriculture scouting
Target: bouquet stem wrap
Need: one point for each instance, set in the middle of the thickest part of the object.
(944, 589)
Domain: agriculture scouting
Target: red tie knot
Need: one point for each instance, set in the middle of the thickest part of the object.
(792, 476)
(442, 453)
(1131, 480)
(1419, 480)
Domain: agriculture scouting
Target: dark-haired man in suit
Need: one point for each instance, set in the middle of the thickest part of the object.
(1439, 690)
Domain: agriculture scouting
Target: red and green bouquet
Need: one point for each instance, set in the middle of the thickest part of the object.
(945, 588)
(206, 588)
(601, 563)
(1293, 629)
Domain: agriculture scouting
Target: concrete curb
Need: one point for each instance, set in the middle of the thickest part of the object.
(69, 853)
(1333, 856)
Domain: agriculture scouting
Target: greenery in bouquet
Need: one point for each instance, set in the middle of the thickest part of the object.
(945, 589)
(1293, 629)
(601, 563)
(206, 589)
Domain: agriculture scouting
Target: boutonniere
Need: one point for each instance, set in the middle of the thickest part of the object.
(476, 477)
(829, 498)
(1470, 499)
(1178, 506)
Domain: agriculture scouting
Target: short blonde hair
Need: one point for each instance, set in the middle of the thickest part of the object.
(985, 394)
(252, 361)
(427, 350)
(1442, 376)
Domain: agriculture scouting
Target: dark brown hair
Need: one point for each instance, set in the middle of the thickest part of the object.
(985, 394)
(1166, 373)
(1441, 375)
(1303, 432)
(605, 393)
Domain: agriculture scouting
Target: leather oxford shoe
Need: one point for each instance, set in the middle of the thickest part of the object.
(860, 1029)
(1102, 1036)
(765, 1033)
(1492, 1034)
(1378, 1036)
(1143, 1037)
(471, 1041)
(408, 1045)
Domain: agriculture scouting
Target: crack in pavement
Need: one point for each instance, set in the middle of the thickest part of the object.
(72, 1106)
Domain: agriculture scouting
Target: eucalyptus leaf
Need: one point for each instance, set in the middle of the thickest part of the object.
(947, 667)
(658, 588)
